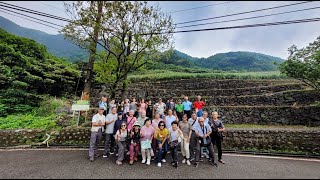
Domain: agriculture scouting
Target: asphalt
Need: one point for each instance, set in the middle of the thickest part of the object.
(74, 163)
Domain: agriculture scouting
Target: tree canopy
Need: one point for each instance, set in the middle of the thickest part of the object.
(304, 64)
(28, 71)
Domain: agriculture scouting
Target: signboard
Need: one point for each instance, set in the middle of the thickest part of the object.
(77, 107)
(80, 105)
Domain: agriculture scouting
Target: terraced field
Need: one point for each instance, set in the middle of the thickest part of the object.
(252, 101)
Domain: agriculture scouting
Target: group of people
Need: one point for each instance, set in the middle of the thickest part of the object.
(130, 129)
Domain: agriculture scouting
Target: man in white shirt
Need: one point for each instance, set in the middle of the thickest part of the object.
(110, 141)
(169, 119)
(98, 122)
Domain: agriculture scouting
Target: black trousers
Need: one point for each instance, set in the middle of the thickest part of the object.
(188, 114)
(180, 114)
(217, 142)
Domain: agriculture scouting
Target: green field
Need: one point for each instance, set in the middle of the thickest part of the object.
(169, 74)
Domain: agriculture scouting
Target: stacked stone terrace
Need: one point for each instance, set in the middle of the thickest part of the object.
(263, 101)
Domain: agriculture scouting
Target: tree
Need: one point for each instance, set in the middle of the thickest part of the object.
(129, 34)
(91, 28)
(28, 71)
(304, 64)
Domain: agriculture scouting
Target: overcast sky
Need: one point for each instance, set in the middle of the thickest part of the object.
(272, 40)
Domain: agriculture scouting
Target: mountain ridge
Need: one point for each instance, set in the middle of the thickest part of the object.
(233, 60)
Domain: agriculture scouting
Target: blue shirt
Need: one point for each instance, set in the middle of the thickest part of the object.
(202, 132)
(187, 105)
(103, 104)
(169, 120)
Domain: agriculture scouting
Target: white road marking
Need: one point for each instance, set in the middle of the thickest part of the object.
(273, 157)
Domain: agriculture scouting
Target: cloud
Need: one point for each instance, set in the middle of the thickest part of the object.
(273, 40)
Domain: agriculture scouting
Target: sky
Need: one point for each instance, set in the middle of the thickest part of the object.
(271, 40)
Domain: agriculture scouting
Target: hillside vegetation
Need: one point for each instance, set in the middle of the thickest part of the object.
(28, 73)
(239, 61)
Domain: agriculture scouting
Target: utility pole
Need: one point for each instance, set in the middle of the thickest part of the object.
(93, 50)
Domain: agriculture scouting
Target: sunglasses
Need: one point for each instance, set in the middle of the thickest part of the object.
(161, 125)
(123, 125)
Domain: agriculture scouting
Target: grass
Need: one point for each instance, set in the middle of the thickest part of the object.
(168, 74)
(43, 117)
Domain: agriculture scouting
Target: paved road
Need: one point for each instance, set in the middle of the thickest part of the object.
(73, 163)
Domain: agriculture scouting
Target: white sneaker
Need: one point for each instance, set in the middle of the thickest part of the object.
(188, 163)
(159, 164)
(143, 161)
(148, 162)
(184, 161)
(163, 160)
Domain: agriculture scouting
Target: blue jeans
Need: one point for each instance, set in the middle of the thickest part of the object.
(162, 151)
(199, 113)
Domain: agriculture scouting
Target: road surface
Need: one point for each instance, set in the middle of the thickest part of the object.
(73, 163)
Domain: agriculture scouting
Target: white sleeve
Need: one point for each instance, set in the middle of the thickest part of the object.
(95, 118)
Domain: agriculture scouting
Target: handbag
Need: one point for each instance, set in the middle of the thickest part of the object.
(205, 142)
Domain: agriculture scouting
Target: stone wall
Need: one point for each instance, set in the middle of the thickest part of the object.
(273, 139)
(304, 140)
(271, 115)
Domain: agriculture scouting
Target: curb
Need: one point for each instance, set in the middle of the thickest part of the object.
(265, 153)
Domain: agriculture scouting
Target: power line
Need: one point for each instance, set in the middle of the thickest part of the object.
(243, 26)
(29, 19)
(253, 17)
(201, 7)
(246, 12)
(50, 5)
(33, 12)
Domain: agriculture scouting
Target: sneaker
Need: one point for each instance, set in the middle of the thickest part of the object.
(221, 161)
(153, 158)
(159, 164)
(188, 163)
(195, 164)
(207, 156)
(143, 161)
(214, 164)
(91, 159)
(131, 162)
(191, 159)
(105, 156)
(148, 162)
(163, 160)
(209, 160)
(117, 155)
(118, 162)
(183, 161)
(111, 152)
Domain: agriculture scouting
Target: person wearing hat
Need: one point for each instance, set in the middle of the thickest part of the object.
(98, 122)
(134, 142)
